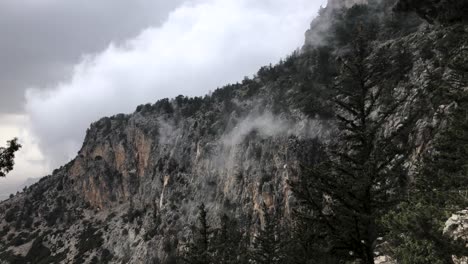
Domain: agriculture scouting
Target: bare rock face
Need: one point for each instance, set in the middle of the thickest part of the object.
(457, 225)
(457, 228)
(384, 260)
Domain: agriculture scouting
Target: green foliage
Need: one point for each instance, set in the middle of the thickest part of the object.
(164, 106)
(188, 106)
(11, 213)
(38, 254)
(4, 230)
(444, 11)
(268, 73)
(363, 174)
(225, 93)
(200, 249)
(106, 256)
(89, 239)
(20, 239)
(7, 156)
(226, 242)
(270, 242)
(352, 22)
(415, 228)
(415, 233)
(10, 257)
(132, 214)
(399, 24)
(308, 243)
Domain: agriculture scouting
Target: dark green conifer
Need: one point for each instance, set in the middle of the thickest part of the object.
(269, 243)
(199, 249)
(362, 175)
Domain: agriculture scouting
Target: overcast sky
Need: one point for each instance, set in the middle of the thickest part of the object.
(65, 64)
(43, 39)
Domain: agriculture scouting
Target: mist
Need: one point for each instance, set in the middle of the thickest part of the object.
(268, 125)
(201, 46)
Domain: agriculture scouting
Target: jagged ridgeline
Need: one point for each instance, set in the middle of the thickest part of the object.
(352, 149)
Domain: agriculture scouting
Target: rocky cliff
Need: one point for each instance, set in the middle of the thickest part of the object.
(131, 194)
(437, 11)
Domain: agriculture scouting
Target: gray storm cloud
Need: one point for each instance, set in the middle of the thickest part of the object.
(202, 45)
(41, 40)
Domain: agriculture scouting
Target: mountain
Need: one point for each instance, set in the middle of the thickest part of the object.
(132, 193)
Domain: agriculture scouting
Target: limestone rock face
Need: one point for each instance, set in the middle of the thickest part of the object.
(457, 228)
(384, 260)
(457, 225)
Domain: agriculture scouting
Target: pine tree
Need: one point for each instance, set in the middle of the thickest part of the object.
(227, 242)
(223, 242)
(199, 249)
(244, 240)
(269, 245)
(362, 175)
(307, 244)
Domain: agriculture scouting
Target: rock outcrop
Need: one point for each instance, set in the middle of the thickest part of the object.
(437, 11)
(457, 228)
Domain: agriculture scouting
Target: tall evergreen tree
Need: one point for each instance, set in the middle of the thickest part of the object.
(307, 243)
(269, 244)
(244, 240)
(228, 242)
(362, 175)
(223, 246)
(199, 249)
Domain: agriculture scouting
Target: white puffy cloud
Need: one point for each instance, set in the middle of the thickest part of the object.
(201, 46)
(43, 39)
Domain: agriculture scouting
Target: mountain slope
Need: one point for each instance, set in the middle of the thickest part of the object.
(131, 194)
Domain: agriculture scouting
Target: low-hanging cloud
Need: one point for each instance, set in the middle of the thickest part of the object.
(269, 125)
(201, 46)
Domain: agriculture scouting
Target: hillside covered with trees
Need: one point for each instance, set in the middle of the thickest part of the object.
(353, 149)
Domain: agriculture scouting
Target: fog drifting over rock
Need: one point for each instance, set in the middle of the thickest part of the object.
(202, 45)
